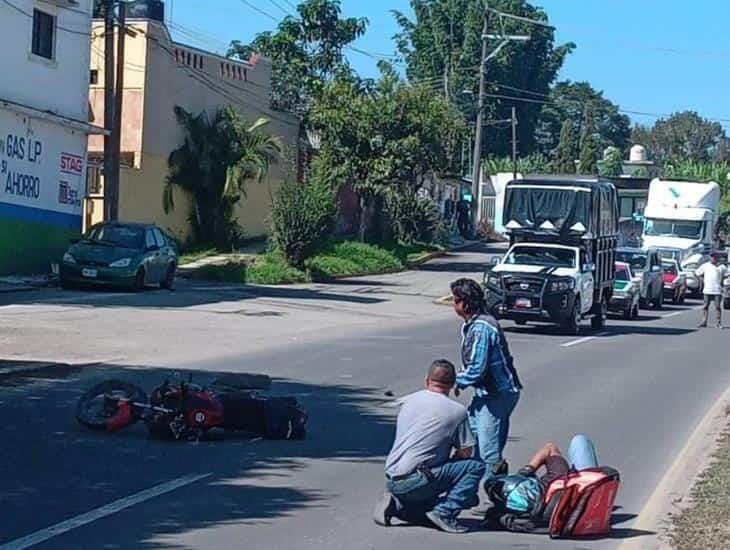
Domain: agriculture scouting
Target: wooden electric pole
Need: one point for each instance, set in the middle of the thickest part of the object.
(108, 107)
(118, 102)
(477, 157)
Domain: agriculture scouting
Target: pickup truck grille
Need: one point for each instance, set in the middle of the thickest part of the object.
(523, 286)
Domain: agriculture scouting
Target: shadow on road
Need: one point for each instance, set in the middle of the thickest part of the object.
(186, 296)
(60, 469)
(611, 329)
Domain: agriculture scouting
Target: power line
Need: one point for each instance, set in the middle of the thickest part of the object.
(255, 8)
(276, 4)
(523, 19)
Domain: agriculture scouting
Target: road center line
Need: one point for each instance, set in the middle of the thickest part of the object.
(576, 342)
(106, 510)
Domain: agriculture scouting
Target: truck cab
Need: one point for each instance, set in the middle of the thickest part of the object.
(681, 215)
(559, 267)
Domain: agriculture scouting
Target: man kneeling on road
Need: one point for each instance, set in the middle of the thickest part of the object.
(422, 476)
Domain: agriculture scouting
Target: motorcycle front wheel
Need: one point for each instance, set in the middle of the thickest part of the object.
(99, 404)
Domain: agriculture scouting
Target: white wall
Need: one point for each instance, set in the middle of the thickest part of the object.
(61, 85)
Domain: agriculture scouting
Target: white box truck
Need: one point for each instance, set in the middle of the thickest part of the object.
(679, 221)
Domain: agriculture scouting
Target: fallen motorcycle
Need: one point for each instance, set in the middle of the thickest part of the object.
(187, 411)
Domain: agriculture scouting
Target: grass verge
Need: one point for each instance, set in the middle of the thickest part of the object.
(338, 259)
(705, 524)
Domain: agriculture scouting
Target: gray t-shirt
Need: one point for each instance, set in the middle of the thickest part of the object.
(429, 426)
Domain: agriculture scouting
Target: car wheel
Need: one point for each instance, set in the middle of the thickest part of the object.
(139, 281)
(629, 313)
(572, 324)
(169, 281)
(66, 284)
(599, 320)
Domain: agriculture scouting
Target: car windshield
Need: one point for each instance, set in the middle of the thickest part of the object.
(548, 257)
(622, 274)
(669, 269)
(117, 235)
(636, 260)
(673, 228)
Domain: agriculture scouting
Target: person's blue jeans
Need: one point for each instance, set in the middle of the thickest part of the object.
(453, 489)
(489, 421)
(582, 453)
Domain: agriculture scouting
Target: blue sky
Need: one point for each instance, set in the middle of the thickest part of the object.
(655, 56)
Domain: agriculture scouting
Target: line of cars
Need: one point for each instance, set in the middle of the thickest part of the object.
(645, 278)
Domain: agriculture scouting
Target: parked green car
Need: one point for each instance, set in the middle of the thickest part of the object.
(120, 254)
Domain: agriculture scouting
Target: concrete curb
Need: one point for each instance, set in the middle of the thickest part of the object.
(672, 493)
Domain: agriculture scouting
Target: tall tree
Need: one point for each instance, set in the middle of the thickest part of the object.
(306, 52)
(567, 101)
(384, 140)
(590, 146)
(683, 136)
(220, 154)
(441, 46)
(567, 149)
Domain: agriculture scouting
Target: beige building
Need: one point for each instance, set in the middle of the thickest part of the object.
(160, 74)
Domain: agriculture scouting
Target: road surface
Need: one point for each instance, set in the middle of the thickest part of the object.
(638, 388)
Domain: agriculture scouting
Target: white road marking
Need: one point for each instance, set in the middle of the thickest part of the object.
(576, 342)
(583, 340)
(99, 513)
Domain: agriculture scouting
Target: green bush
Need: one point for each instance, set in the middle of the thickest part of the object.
(302, 218)
(272, 269)
(353, 258)
(413, 219)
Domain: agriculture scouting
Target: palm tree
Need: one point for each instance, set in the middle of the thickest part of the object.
(219, 156)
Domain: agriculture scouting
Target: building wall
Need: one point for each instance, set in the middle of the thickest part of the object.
(164, 74)
(43, 109)
(60, 85)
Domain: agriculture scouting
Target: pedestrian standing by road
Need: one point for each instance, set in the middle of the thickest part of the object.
(422, 477)
(713, 274)
(488, 368)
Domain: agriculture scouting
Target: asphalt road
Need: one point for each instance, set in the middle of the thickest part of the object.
(638, 389)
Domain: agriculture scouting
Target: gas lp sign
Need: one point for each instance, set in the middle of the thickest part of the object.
(42, 166)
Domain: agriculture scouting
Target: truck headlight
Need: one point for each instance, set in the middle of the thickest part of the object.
(690, 267)
(494, 281)
(68, 258)
(562, 285)
(124, 262)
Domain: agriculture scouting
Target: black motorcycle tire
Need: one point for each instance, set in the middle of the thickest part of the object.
(97, 421)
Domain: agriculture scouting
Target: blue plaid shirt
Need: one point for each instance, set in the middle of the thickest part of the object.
(485, 366)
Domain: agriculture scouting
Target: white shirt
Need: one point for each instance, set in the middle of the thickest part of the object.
(713, 275)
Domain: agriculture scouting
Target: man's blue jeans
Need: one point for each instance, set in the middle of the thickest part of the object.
(582, 453)
(489, 422)
(453, 489)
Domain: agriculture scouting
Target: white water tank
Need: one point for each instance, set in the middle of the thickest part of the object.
(637, 154)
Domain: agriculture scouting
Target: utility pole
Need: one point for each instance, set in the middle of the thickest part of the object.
(118, 102)
(477, 157)
(514, 143)
(108, 107)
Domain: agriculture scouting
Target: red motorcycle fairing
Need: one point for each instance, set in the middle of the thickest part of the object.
(203, 410)
(123, 417)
